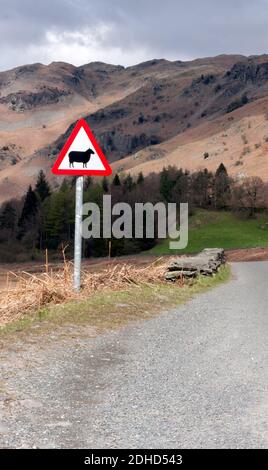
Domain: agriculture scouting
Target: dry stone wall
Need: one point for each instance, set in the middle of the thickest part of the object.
(207, 262)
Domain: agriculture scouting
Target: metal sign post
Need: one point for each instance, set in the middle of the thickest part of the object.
(80, 156)
(78, 232)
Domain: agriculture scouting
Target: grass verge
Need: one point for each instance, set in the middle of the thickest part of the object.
(212, 229)
(112, 309)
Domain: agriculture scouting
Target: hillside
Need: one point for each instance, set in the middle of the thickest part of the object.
(190, 114)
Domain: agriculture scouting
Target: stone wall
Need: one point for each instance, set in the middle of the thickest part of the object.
(206, 263)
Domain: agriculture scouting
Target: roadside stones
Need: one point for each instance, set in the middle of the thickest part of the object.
(206, 263)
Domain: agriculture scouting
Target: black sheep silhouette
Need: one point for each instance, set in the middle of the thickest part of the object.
(80, 157)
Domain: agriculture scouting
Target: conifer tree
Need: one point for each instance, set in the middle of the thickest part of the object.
(140, 178)
(42, 188)
(202, 185)
(128, 183)
(221, 187)
(166, 185)
(59, 214)
(116, 180)
(105, 184)
(28, 213)
(8, 217)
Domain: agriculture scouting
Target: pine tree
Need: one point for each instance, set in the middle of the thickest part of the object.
(29, 207)
(116, 180)
(128, 183)
(140, 178)
(105, 184)
(8, 217)
(42, 188)
(221, 187)
(29, 212)
(59, 214)
(166, 185)
(180, 191)
(202, 184)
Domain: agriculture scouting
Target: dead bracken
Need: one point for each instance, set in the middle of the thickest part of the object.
(32, 292)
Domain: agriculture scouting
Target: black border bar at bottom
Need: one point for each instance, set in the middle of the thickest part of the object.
(116, 458)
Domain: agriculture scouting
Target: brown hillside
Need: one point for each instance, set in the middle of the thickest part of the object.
(145, 116)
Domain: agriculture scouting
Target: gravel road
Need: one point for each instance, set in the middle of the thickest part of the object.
(192, 377)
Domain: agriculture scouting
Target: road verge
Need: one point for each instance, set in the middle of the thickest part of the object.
(112, 308)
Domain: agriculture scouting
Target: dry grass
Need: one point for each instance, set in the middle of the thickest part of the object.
(32, 292)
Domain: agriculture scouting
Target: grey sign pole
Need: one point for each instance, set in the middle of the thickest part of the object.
(78, 232)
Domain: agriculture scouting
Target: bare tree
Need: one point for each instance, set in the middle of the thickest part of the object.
(249, 195)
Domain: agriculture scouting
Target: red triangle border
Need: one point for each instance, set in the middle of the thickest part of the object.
(107, 169)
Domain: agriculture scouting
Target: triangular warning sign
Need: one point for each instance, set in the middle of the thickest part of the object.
(81, 154)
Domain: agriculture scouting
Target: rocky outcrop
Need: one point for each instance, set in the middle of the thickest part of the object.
(9, 155)
(206, 263)
(248, 71)
(23, 100)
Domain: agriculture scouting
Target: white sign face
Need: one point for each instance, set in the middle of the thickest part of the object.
(80, 144)
(81, 154)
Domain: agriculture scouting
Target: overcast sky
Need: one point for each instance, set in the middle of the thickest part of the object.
(129, 31)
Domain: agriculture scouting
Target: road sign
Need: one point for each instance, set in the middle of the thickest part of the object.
(81, 154)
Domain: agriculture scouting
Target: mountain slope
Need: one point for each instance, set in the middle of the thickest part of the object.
(145, 116)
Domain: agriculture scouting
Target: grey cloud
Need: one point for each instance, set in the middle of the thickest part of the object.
(170, 28)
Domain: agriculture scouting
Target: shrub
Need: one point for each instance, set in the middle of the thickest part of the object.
(207, 79)
(238, 103)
